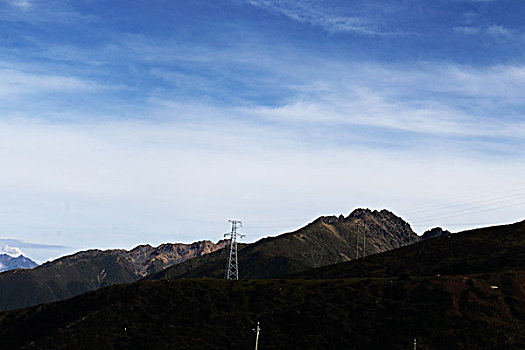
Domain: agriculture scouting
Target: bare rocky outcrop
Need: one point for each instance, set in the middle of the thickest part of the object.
(434, 233)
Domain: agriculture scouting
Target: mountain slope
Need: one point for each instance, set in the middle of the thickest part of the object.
(325, 241)
(8, 262)
(481, 306)
(445, 312)
(90, 270)
(489, 249)
(218, 257)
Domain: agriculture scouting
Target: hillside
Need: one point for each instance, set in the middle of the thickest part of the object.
(89, 270)
(490, 249)
(8, 262)
(325, 241)
(464, 291)
(446, 313)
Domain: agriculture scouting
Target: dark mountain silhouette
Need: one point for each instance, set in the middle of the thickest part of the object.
(325, 241)
(8, 262)
(89, 270)
(434, 233)
(463, 291)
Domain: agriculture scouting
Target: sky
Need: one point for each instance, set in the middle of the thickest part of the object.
(134, 122)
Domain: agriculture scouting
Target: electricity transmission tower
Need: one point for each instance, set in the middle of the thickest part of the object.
(232, 268)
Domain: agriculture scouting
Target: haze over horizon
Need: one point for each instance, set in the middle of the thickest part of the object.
(124, 123)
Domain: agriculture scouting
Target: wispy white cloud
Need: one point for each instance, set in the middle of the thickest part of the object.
(315, 14)
(467, 30)
(428, 98)
(22, 4)
(15, 83)
(29, 245)
(372, 110)
(242, 124)
(178, 181)
(37, 12)
(496, 31)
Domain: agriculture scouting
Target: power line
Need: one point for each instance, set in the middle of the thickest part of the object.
(470, 208)
(469, 224)
(475, 212)
(279, 226)
(430, 205)
(521, 195)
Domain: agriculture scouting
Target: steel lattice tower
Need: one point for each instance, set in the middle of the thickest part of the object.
(232, 268)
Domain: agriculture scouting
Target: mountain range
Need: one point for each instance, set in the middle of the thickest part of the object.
(8, 262)
(327, 240)
(459, 291)
(92, 269)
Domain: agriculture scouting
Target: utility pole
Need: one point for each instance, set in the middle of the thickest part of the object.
(232, 268)
(357, 242)
(257, 330)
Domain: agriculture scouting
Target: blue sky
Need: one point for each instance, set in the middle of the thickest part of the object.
(146, 122)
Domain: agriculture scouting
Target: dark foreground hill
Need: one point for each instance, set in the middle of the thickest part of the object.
(325, 241)
(447, 312)
(89, 270)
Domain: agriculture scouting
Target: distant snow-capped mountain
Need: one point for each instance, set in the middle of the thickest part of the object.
(8, 262)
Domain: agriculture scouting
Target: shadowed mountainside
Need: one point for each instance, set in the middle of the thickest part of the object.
(92, 269)
(327, 240)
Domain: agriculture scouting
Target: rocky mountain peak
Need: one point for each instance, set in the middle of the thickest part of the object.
(364, 213)
(382, 218)
(360, 213)
(435, 232)
(331, 219)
